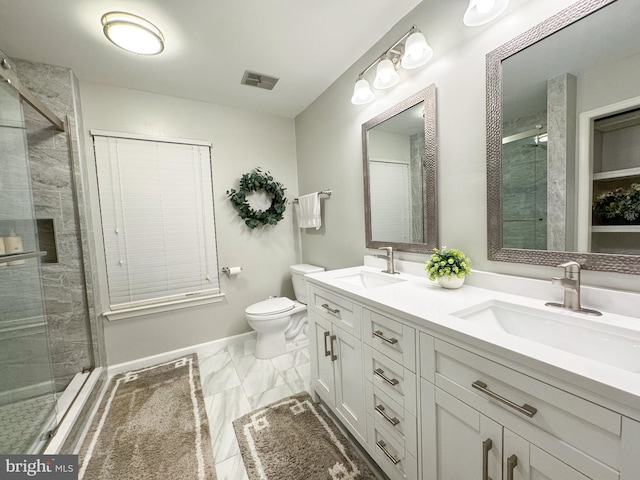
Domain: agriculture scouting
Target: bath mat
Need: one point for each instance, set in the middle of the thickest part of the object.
(293, 439)
(151, 425)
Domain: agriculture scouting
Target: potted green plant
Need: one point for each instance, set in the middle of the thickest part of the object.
(448, 266)
(618, 207)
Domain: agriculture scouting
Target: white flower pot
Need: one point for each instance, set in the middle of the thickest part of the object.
(453, 282)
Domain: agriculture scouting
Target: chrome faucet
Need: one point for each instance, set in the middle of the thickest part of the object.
(571, 284)
(389, 258)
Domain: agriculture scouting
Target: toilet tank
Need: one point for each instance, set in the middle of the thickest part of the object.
(299, 283)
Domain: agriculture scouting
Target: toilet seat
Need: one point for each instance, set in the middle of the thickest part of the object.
(272, 306)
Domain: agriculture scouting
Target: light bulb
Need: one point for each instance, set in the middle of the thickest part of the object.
(386, 75)
(362, 93)
(484, 6)
(416, 51)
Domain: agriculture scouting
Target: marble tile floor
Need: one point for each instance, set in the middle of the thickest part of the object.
(235, 382)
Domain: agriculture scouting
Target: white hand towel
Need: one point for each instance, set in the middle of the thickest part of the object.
(309, 211)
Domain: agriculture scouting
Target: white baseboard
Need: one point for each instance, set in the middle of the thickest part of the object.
(208, 348)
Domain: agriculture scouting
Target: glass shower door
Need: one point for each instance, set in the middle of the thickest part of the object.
(27, 398)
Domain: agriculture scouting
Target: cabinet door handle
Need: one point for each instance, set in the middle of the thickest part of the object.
(333, 311)
(334, 357)
(381, 336)
(393, 421)
(326, 351)
(391, 381)
(382, 446)
(512, 463)
(525, 409)
(486, 446)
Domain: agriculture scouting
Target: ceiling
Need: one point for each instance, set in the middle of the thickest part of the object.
(308, 44)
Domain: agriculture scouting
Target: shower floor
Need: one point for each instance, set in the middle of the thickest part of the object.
(21, 423)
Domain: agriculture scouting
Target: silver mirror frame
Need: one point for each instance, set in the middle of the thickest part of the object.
(429, 179)
(629, 264)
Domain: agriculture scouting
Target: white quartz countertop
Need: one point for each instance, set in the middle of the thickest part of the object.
(427, 305)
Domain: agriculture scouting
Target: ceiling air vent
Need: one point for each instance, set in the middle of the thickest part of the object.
(254, 79)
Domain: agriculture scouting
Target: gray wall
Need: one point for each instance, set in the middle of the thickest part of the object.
(241, 140)
(329, 144)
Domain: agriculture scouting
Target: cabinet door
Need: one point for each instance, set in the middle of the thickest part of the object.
(349, 380)
(525, 461)
(458, 441)
(322, 378)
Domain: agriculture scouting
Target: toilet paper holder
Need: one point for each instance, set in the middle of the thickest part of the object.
(231, 270)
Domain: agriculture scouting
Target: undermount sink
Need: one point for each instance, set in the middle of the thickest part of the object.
(367, 280)
(608, 343)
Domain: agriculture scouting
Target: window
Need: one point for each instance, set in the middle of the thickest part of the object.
(156, 204)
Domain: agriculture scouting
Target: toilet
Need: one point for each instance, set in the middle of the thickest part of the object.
(279, 319)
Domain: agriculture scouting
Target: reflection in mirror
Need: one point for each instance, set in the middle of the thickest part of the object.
(399, 160)
(562, 140)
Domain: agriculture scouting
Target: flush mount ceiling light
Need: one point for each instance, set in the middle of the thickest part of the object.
(480, 12)
(132, 33)
(413, 53)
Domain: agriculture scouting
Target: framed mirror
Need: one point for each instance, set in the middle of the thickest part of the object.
(399, 160)
(563, 140)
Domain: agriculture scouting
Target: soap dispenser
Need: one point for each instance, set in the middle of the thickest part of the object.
(13, 244)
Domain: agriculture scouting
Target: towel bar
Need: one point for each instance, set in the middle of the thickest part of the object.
(322, 193)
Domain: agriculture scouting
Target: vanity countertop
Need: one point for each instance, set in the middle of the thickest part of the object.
(424, 303)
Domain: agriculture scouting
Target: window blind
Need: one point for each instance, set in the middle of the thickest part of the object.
(156, 203)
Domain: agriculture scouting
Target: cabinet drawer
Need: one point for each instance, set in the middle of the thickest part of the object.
(398, 382)
(396, 340)
(519, 401)
(337, 309)
(389, 454)
(392, 417)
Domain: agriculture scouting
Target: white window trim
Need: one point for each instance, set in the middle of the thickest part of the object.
(133, 312)
(170, 305)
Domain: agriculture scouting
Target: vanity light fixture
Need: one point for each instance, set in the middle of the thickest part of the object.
(132, 33)
(413, 53)
(480, 12)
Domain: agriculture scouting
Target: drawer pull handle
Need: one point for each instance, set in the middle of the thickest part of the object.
(333, 311)
(326, 351)
(486, 446)
(525, 409)
(334, 357)
(393, 421)
(512, 463)
(391, 381)
(382, 446)
(381, 336)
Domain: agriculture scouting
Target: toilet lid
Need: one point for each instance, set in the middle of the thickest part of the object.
(271, 306)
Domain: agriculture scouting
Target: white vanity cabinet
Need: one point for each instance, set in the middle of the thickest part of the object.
(537, 431)
(427, 406)
(336, 357)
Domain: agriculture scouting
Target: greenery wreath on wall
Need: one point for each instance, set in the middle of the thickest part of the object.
(255, 181)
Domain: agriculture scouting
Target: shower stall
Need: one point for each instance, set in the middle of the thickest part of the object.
(50, 337)
(524, 189)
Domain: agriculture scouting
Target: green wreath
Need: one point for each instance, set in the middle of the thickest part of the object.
(253, 182)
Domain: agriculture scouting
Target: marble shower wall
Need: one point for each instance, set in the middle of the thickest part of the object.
(57, 182)
(524, 172)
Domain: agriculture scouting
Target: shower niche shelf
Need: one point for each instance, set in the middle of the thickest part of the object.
(13, 257)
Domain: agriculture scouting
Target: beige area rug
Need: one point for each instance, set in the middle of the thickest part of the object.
(294, 439)
(151, 425)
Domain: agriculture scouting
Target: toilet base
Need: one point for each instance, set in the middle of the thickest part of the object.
(269, 345)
